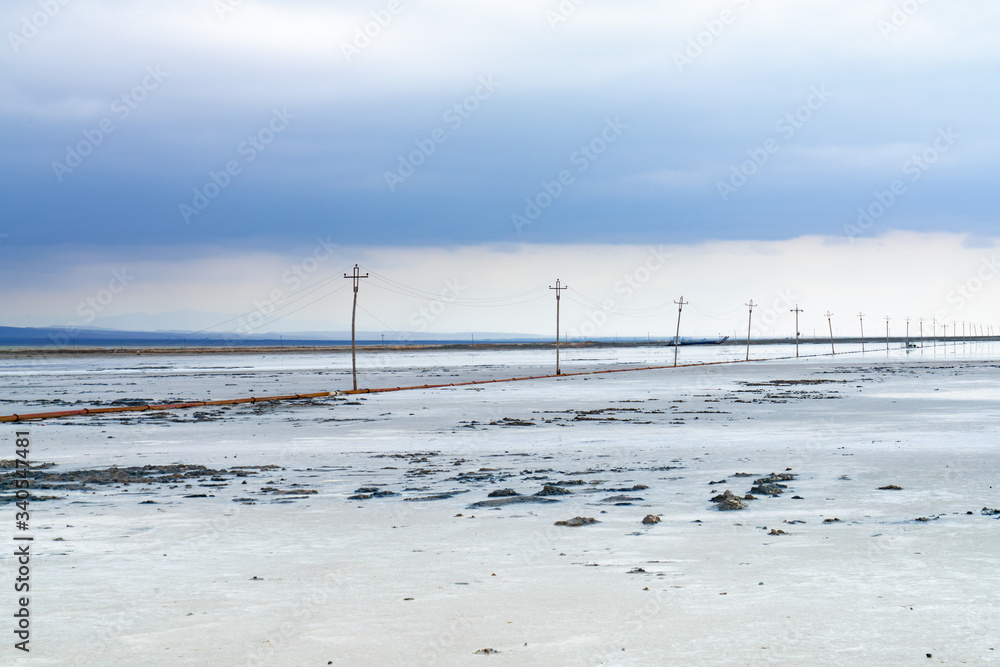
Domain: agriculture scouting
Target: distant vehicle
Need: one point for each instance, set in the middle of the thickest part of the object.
(699, 341)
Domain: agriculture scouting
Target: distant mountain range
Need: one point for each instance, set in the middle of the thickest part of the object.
(98, 336)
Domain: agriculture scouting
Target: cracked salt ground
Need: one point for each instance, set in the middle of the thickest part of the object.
(653, 589)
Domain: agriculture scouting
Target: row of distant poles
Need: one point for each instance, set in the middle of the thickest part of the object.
(798, 334)
(559, 287)
(861, 318)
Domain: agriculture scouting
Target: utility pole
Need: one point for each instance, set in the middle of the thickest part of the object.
(934, 331)
(796, 310)
(945, 338)
(677, 336)
(749, 322)
(356, 277)
(921, 333)
(907, 332)
(887, 318)
(558, 288)
(861, 318)
(829, 319)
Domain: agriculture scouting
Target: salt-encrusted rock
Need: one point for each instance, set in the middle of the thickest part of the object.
(651, 519)
(549, 490)
(728, 502)
(578, 521)
(621, 499)
(511, 500)
(775, 477)
(500, 493)
(768, 489)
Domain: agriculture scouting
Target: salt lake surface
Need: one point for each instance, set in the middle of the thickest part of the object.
(359, 529)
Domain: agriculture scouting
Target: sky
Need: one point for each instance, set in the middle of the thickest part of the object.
(181, 159)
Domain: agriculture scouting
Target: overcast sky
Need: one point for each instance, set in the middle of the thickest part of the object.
(166, 136)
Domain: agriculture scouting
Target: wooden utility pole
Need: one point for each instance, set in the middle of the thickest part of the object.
(558, 288)
(934, 331)
(921, 333)
(677, 336)
(887, 318)
(907, 332)
(796, 310)
(829, 319)
(861, 318)
(356, 277)
(749, 322)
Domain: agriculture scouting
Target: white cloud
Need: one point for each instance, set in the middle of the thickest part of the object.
(898, 274)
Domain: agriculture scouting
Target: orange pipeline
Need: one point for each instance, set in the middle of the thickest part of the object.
(291, 397)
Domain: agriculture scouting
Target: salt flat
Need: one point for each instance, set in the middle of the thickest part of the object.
(288, 569)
